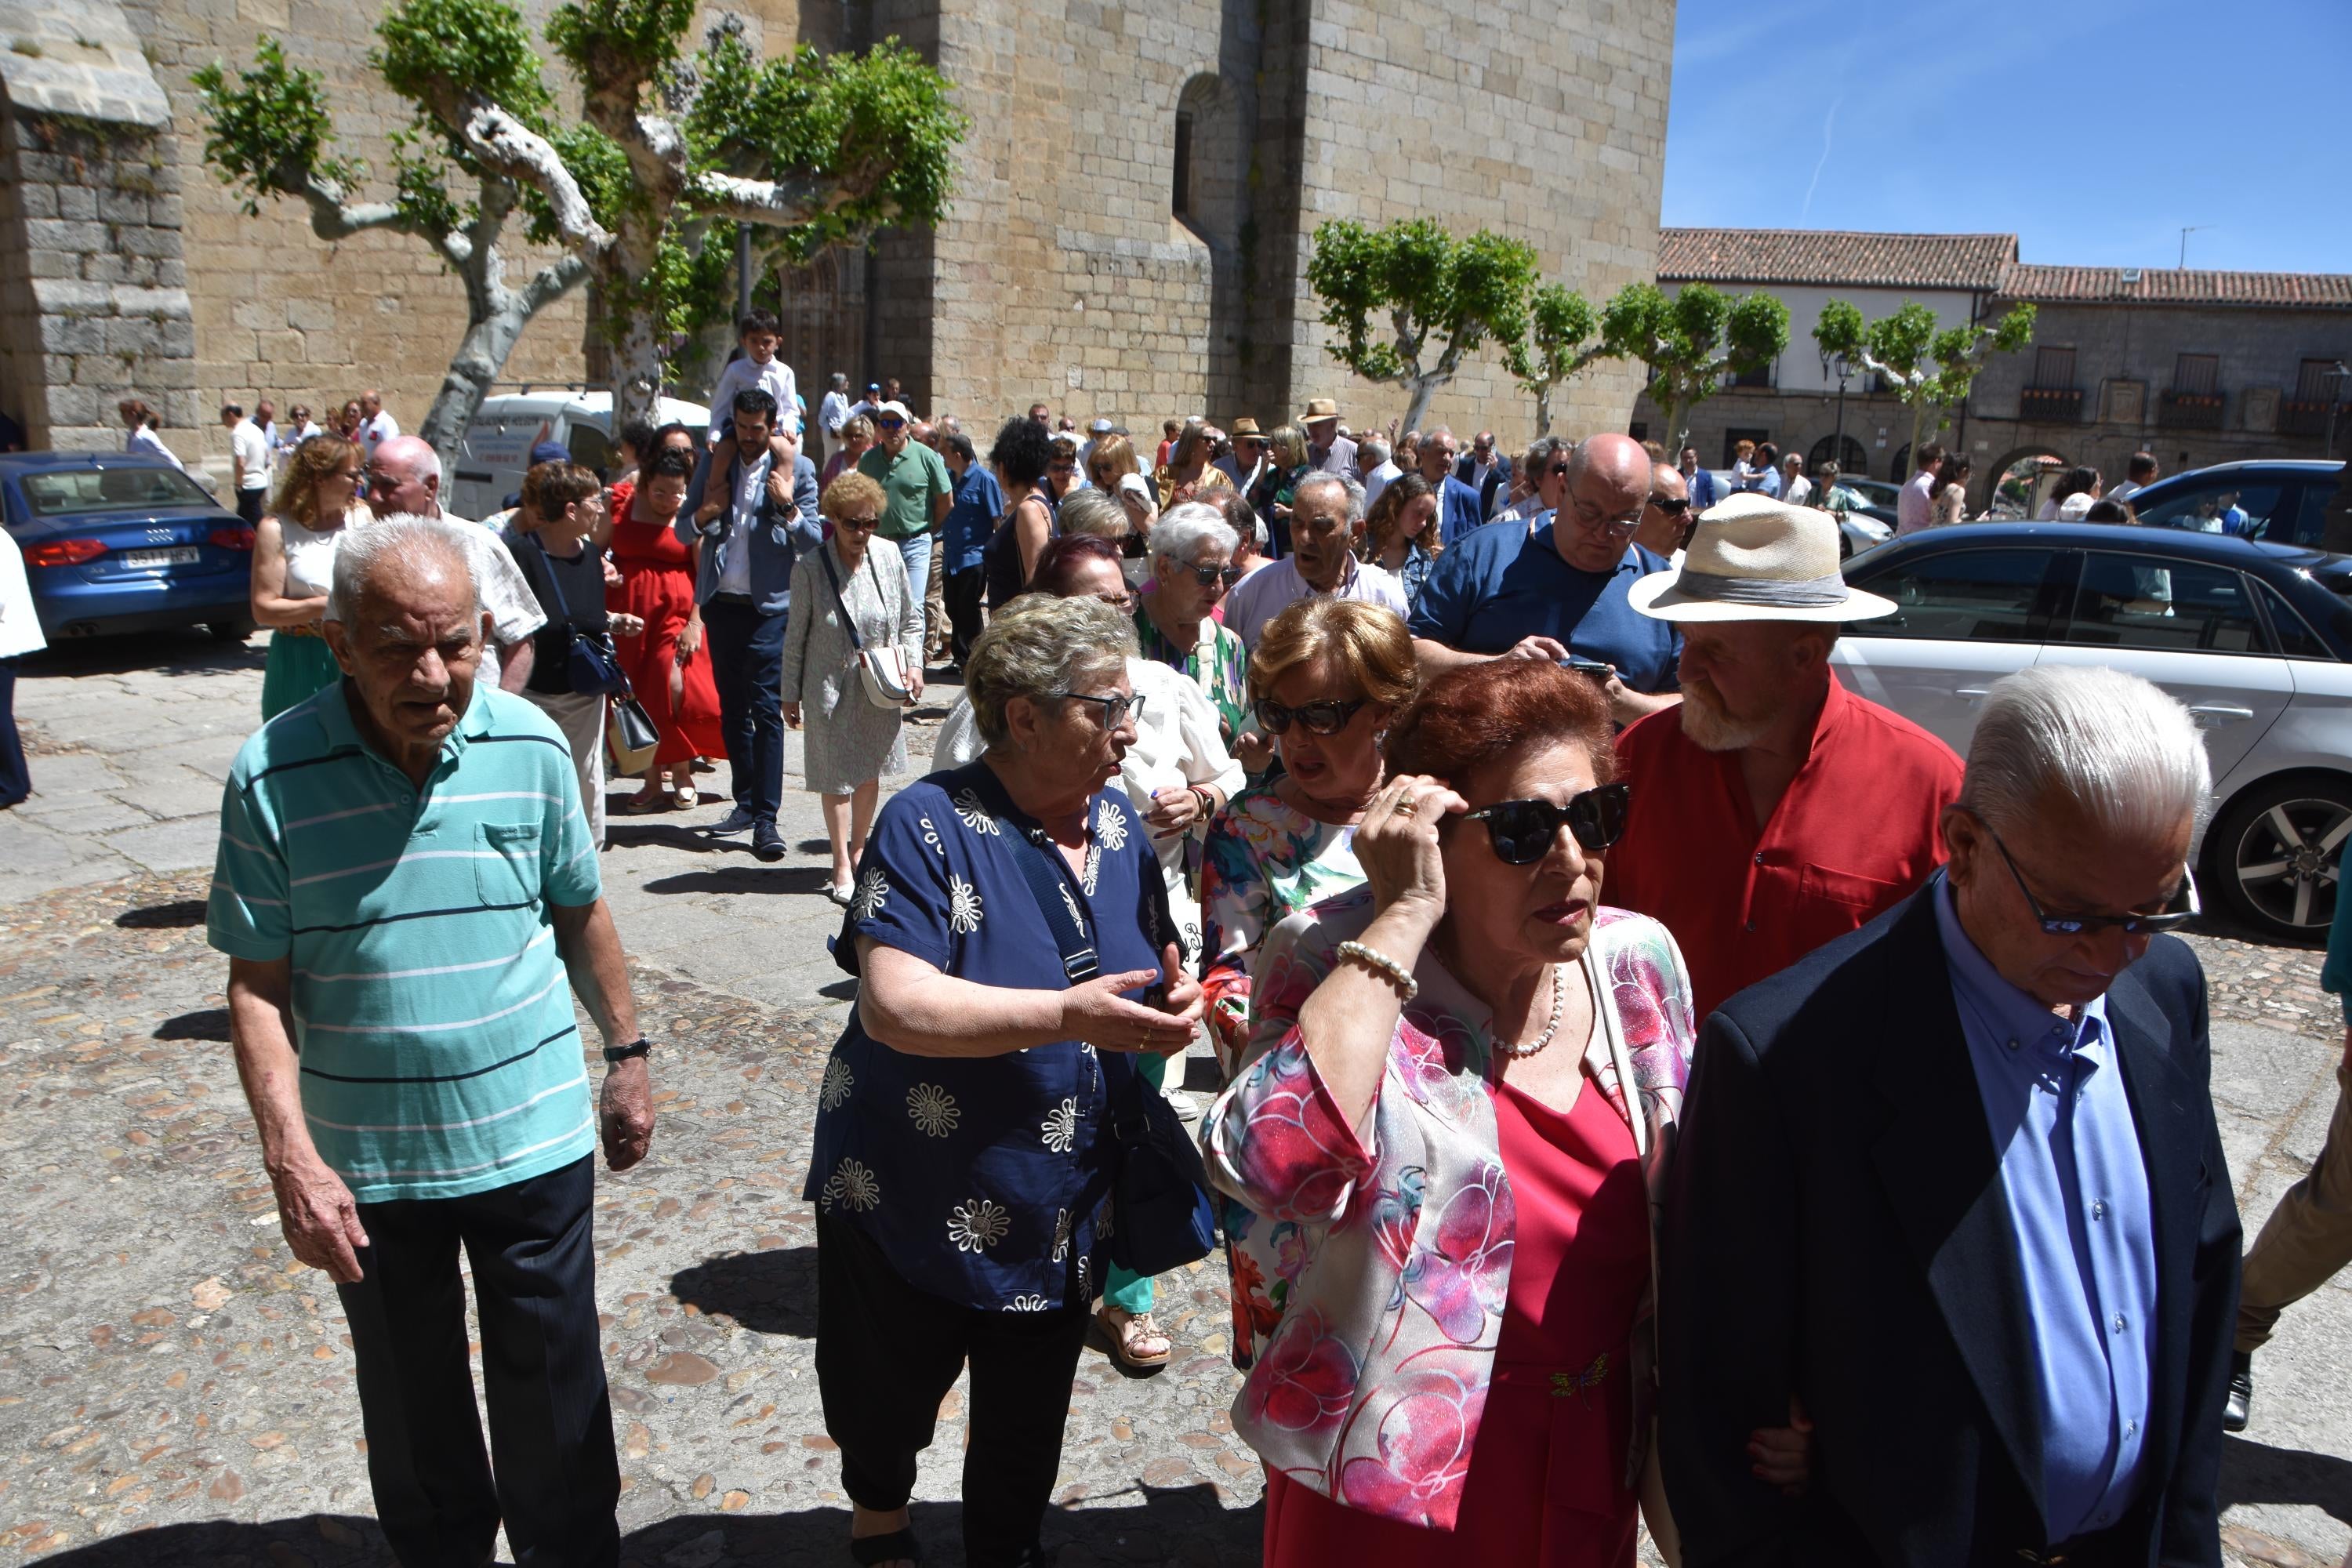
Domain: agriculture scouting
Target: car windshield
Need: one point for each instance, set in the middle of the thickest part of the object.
(2225, 506)
(126, 488)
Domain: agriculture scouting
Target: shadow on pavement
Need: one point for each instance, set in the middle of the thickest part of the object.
(177, 916)
(210, 1024)
(2257, 1473)
(749, 878)
(767, 1292)
(191, 651)
(1177, 1524)
(640, 833)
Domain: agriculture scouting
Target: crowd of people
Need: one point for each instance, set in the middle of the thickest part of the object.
(1653, 1082)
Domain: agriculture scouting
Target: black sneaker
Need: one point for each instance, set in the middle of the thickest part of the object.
(2239, 1408)
(737, 821)
(767, 843)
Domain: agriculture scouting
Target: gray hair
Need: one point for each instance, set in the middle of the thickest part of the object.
(402, 541)
(1037, 646)
(1095, 512)
(1540, 454)
(1373, 449)
(2114, 746)
(1355, 493)
(1182, 530)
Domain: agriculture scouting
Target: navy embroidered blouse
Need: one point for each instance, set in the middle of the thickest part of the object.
(984, 1180)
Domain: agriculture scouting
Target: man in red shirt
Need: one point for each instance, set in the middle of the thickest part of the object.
(1773, 809)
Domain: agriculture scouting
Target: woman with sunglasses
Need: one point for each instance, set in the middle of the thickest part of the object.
(1401, 532)
(1327, 677)
(1175, 616)
(1477, 1069)
(849, 594)
(1189, 475)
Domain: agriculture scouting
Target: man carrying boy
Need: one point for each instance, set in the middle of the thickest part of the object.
(759, 366)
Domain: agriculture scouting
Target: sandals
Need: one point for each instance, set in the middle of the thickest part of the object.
(1123, 1336)
(685, 797)
(645, 800)
(897, 1546)
(842, 893)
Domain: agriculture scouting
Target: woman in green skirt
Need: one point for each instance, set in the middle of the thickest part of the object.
(294, 565)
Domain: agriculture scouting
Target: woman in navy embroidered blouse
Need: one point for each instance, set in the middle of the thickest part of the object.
(962, 1160)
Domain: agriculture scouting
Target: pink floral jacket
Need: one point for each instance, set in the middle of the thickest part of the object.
(1368, 1282)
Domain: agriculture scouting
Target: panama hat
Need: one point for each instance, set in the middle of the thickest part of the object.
(1246, 427)
(1317, 410)
(1756, 559)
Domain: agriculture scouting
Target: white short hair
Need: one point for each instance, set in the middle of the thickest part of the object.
(1182, 530)
(2115, 747)
(402, 540)
(1354, 492)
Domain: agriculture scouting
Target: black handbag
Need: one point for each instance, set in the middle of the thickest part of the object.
(1160, 1214)
(593, 666)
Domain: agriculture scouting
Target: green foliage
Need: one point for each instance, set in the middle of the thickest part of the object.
(420, 176)
(1434, 289)
(1691, 340)
(470, 48)
(1930, 370)
(639, 36)
(1562, 326)
(271, 127)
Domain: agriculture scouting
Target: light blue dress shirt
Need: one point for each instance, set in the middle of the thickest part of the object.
(2076, 1187)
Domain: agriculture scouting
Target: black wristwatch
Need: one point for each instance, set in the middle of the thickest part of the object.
(636, 1048)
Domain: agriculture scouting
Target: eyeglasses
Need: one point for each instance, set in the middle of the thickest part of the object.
(2179, 910)
(1116, 709)
(1522, 831)
(1673, 506)
(1608, 527)
(889, 425)
(857, 522)
(1317, 718)
(1204, 575)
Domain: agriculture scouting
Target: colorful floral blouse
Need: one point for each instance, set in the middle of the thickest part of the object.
(1217, 663)
(1264, 861)
(984, 1180)
(1369, 1277)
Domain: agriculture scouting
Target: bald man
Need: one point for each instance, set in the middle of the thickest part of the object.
(1666, 520)
(1558, 591)
(376, 426)
(404, 478)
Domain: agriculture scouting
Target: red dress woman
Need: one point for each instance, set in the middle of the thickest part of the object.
(669, 666)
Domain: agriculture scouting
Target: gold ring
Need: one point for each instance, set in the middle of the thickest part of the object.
(1405, 807)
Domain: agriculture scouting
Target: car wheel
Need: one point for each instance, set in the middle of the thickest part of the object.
(2278, 854)
(230, 631)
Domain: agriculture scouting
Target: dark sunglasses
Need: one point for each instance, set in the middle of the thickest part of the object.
(2179, 910)
(1522, 831)
(857, 522)
(1204, 575)
(889, 425)
(1318, 718)
(1673, 506)
(1115, 709)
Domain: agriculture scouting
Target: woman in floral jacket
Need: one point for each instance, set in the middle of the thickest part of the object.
(1450, 1138)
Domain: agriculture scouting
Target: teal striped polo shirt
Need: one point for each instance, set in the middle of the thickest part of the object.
(432, 1013)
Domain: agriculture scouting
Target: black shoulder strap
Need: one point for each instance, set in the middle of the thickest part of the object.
(547, 564)
(1048, 878)
(848, 621)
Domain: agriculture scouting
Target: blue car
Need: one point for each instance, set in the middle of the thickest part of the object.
(115, 543)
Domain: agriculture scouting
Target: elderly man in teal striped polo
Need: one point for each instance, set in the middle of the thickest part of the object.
(406, 882)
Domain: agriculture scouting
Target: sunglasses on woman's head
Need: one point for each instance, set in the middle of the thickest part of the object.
(1317, 718)
(1204, 575)
(1522, 831)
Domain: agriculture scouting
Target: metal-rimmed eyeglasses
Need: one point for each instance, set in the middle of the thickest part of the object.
(1117, 709)
(2179, 910)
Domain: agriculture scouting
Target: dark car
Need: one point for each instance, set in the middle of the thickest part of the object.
(117, 543)
(2284, 501)
(2255, 637)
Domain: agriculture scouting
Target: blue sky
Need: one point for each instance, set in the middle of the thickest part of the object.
(2093, 130)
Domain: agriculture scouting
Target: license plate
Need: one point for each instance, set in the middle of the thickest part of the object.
(181, 556)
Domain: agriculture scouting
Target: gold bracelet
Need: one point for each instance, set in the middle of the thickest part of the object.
(1382, 965)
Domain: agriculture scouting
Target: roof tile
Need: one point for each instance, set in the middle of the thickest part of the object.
(2172, 286)
(1971, 261)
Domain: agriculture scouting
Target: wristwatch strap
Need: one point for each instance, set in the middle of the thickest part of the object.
(636, 1048)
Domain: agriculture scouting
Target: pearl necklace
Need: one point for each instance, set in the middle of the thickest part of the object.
(1520, 1053)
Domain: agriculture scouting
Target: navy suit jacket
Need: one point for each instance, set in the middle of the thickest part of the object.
(1496, 478)
(1835, 1228)
(782, 535)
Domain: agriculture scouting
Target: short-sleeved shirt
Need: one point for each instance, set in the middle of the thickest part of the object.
(983, 1179)
(1856, 834)
(971, 518)
(1265, 593)
(432, 1017)
(1500, 584)
(909, 482)
(252, 450)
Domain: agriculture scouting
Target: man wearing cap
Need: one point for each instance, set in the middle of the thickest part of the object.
(1562, 589)
(1327, 451)
(916, 489)
(1774, 809)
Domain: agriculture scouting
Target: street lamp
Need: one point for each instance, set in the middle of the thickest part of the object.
(1836, 366)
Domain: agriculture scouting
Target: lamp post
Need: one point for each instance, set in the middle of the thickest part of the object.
(1836, 366)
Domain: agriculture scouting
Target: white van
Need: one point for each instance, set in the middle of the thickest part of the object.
(496, 449)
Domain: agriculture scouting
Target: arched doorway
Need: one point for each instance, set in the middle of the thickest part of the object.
(2019, 479)
(1855, 459)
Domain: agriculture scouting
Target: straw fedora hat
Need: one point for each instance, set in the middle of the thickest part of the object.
(1246, 427)
(1317, 410)
(1756, 559)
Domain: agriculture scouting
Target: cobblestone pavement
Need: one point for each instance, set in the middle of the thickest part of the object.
(167, 1369)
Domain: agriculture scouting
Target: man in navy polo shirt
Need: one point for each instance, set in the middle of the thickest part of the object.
(1562, 589)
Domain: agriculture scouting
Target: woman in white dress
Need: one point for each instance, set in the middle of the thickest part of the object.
(853, 579)
(294, 565)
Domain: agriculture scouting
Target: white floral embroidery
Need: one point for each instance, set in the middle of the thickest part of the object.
(1060, 1128)
(973, 814)
(931, 837)
(838, 1081)
(963, 907)
(1064, 1221)
(1110, 827)
(1071, 904)
(1094, 868)
(933, 1109)
(853, 1186)
(873, 892)
(978, 1225)
(1028, 1304)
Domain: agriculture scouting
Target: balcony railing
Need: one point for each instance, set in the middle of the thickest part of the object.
(2051, 405)
(2189, 410)
(2301, 418)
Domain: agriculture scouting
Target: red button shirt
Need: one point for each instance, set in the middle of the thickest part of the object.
(1855, 835)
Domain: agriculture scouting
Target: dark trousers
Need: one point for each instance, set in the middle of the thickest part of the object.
(747, 663)
(887, 1353)
(964, 591)
(556, 1480)
(16, 780)
(248, 505)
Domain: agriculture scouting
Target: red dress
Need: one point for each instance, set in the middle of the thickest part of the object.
(1546, 1485)
(657, 584)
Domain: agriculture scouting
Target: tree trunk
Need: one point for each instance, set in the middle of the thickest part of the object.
(1417, 404)
(1911, 453)
(1543, 411)
(481, 354)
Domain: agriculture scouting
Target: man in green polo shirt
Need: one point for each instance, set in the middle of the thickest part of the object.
(404, 883)
(916, 489)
